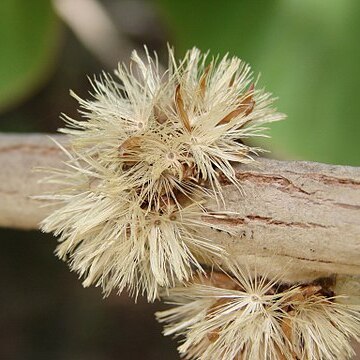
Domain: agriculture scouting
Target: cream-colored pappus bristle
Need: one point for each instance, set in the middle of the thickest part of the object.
(240, 317)
(131, 198)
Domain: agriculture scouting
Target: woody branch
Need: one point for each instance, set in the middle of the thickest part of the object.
(300, 215)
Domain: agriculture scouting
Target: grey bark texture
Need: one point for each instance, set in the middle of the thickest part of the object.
(299, 220)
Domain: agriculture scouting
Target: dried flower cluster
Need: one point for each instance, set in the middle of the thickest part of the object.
(149, 151)
(142, 161)
(243, 317)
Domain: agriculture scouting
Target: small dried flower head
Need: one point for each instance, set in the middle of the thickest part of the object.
(113, 242)
(167, 130)
(132, 193)
(239, 317)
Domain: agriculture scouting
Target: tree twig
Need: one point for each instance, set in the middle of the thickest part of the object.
(300, 219)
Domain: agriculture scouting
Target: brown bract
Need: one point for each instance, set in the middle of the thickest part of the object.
(245, 107)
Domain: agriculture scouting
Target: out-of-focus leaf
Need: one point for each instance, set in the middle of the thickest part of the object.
(308, 53)
(28, 43)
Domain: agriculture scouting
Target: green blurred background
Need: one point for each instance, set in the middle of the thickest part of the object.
(308, 54)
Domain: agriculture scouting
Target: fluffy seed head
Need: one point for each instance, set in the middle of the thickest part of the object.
(243, 318)
(165, 130)
(132, 191)
(114, 243)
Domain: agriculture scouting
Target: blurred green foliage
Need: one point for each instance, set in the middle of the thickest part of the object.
(28, 44)
(308, 53)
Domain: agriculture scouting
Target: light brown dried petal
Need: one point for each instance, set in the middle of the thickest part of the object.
(181, 109)
(245, 107)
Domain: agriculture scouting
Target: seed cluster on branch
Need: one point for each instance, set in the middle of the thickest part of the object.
(150, 150)
(132, 201)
